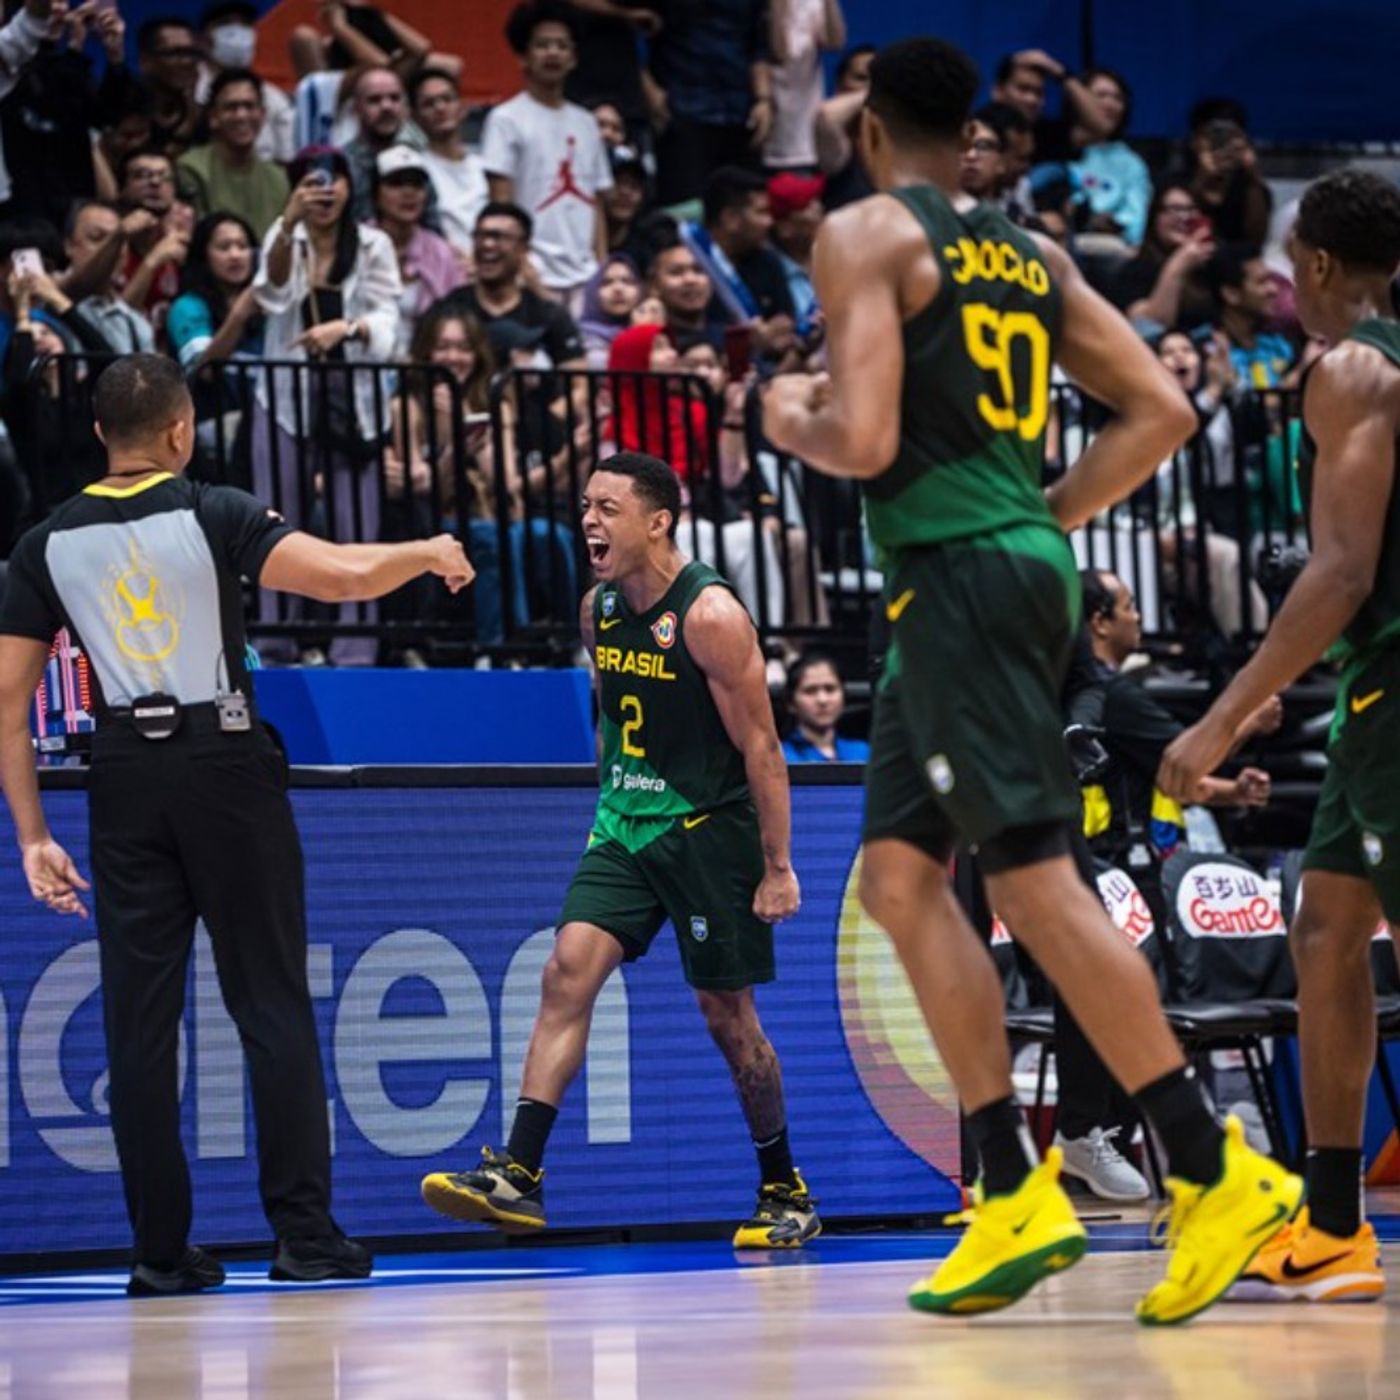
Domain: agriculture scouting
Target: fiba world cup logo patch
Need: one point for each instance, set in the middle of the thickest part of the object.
(664, 630)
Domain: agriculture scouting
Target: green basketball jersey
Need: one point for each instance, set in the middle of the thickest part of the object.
(1378, 620)
(976, 395)
(665, 751)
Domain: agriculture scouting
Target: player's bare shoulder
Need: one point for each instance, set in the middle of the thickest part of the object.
(1353, 378)
(880, 234)
(719, 633)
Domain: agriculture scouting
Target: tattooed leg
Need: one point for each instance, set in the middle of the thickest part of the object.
(758, 1077)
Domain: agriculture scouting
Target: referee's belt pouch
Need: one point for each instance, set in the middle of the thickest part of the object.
(156, 716)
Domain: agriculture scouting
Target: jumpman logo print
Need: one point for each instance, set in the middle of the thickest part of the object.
(564, 182)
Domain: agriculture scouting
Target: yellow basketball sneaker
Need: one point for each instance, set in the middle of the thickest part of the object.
(1012, 1242)
(785, 1218)
(1304, 1264)
(1214, 1231)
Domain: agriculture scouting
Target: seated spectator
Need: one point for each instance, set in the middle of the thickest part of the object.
(1247, 295)
(816, 699)
(795, 202)
(381, 107)
(459, 178)
(499, 296)
(683, 292)
(732, 244)
(663, 412)
(217, 319)
(612, 125)
(158, 238)
(838, 155)
(329, 287)
(1011, 191)
(1189, 485)
(749, 280)
(708, 86)
(1021, 81)
(609, 306)
(130, 131)
(778, 506)
(49, 118)
(168, 58)
(216, 316)
(422, 456)
(1111, 179)
(1165, 285)
(624, 203)
(90, 237)
(228, 174)
(228, 30)
(428, 268)
(56, 452)
(982, 172)
(800, 31)
(1226, 185)
(544, 154)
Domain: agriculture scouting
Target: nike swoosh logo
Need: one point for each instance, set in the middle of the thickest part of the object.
(1289, 1271)
(608, 622)
(896, 609)
(1364, 702)
(690, 823)
(1016, 1229)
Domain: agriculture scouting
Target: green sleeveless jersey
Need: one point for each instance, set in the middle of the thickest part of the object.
(1377, 622)
(665, 751)
(976, 396)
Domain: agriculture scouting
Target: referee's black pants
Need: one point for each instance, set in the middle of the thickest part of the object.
(199, 826)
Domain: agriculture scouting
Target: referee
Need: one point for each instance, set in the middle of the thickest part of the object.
(187, 803)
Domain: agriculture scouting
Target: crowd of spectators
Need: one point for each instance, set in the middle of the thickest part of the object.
(647, 202)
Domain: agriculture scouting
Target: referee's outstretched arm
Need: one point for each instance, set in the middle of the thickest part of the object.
(352, 573)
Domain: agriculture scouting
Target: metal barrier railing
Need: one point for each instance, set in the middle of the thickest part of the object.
(358, 451)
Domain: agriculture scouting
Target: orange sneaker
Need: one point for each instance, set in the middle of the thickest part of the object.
(1303, 1264)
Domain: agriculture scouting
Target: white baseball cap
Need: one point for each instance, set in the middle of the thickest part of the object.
(399, 159)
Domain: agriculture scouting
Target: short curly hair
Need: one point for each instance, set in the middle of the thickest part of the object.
(923, 88)
(1355, 216)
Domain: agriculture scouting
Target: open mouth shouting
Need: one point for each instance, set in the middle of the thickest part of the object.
(599, 551)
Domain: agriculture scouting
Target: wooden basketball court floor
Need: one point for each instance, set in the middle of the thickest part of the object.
(672, 1321)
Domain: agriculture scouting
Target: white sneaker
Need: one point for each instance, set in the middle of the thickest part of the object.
(1096, 1161)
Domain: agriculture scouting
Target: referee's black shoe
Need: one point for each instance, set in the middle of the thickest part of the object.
(194, 1272)
(315, 1259)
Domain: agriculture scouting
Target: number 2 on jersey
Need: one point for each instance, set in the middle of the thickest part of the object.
(990, 336)
(631, 707)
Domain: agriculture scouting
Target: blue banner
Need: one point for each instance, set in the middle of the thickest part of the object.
(431, 914)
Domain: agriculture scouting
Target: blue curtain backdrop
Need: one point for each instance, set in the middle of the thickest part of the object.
(1306, 72)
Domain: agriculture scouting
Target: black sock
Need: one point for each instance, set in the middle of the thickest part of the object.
(1334, 1190)
(775, 1161)
(530, 1132)
(1176, 1107)
(1004, 1146)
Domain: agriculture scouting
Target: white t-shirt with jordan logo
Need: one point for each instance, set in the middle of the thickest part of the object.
(558, 163)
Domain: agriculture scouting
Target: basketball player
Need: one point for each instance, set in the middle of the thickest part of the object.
(1345, 248)
(692, 826)
(943, 320)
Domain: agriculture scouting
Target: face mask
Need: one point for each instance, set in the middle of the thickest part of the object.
(233, 45)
